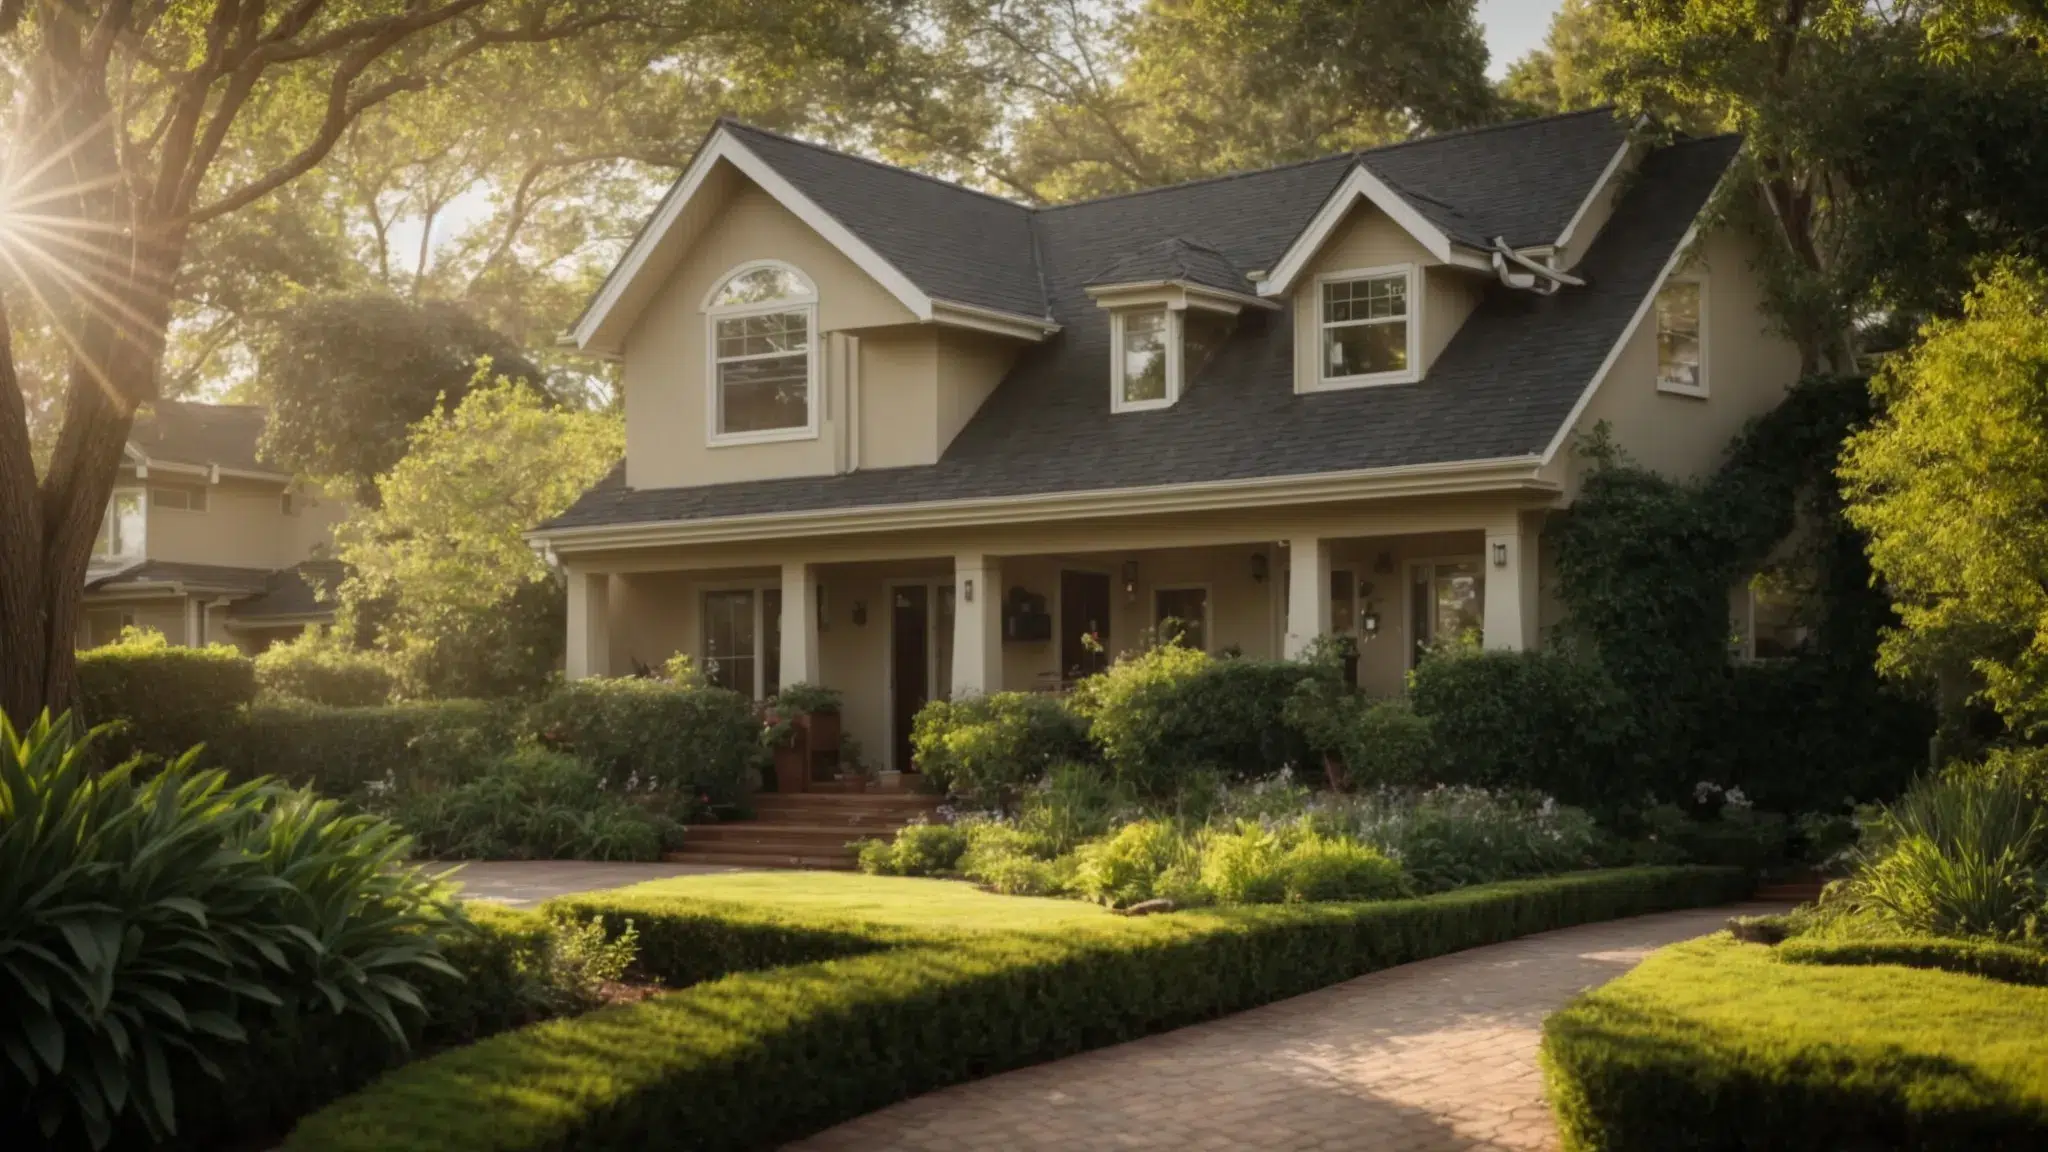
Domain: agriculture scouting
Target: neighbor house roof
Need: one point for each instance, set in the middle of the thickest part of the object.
(293, 593)
(201, 435)
(150, 575)
(1503, 388)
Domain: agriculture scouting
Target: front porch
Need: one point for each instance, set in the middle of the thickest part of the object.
(894, 626)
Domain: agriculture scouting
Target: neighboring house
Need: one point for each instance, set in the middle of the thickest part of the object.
(204, 542)
(904, 439)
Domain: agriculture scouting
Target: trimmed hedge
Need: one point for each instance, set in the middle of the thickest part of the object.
(652, 733)
(2008, 962)
(170, 698)
(986, 749)
(1716, 1044)
(758, 1058)
(340, 750)
(1550, 720)
(322, 669)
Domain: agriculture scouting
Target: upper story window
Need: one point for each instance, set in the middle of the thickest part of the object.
(1158, 351)
(121, 529)
(1366, 328)
(180, 498)
(1682, 338)
(763, 355)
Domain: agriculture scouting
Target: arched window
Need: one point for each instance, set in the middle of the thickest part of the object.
(763, 338)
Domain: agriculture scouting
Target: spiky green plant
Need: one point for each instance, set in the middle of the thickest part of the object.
(1960, 854)
(149, 923)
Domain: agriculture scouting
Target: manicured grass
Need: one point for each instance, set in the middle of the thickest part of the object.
(1716, 1044)
(887, 900)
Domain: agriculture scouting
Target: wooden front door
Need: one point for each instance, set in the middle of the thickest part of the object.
(909, 664)
(1084, 611)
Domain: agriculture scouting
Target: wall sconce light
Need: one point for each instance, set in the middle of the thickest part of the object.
(967, 590)
(1261, 567)
(1369, 624)
(1500, 554)
(1130, 578)
(859, 613)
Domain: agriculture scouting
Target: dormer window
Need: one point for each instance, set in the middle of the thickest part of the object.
(763, 367)
(1366, 329)
(1159, 351)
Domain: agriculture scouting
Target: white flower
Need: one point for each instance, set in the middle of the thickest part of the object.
(1705, 791)
(1736, 799)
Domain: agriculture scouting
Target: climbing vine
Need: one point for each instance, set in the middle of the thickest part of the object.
(1645, 566)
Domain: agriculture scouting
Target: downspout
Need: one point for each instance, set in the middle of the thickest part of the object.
(1518, 271)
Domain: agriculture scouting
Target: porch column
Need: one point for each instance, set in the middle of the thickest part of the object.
(800, 624)
(195, 634)
(1511, 562)
(590, 626)
(977, 625)
(1308, 593)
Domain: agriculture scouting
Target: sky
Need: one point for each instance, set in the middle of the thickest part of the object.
(1512, 28)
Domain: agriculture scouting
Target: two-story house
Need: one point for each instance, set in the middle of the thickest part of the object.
(902, 438)
(203, 541)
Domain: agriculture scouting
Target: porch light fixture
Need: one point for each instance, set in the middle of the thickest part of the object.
(1500, 554)
(1369, 624)
(1130, 577)
(967, 590)
(1261, 567)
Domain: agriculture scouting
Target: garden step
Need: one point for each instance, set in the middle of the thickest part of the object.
(751, 856)
(831, 836)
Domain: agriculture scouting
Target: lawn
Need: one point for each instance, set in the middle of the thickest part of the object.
(896, 902)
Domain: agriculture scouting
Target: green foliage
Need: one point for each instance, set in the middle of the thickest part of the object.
(1960, 854)
(1548, 721)
(1167, 712)
(645, 734)
(1717, 1044)
(1378, 742)
(1452, 837)
(1994, 960)
(921, 1008)
(168, 698)
(343, 751)
(1735, 836)
(157, 925)
(1335, 868)
(918, 850)
(1014, 862)
(461, 604)
(1134, 864)
(531, 805)
(319, 667)
(987, 749)
(1072, 803)
(1948, 483)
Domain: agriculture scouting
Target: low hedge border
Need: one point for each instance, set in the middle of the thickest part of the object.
(758, 1058)
(1717, 1044)
(2007, 962)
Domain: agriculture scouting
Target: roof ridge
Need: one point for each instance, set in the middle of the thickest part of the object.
(1199, 180)
(874, 163)
(1482, 129)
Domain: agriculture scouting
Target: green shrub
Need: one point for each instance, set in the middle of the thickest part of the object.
(1333, 868)
(1379, 742)
(1450, 837)
(159, 924)
(1167, 712)
(531, 805)
(1244, 866)
(1716, 1044)
(918, 850)
(1960, 854)
(986, 750)
(2012, 963)
(321, 668)
(1547, 721)
(1132, 865)
(167, 699)
(343, 751)
(1073, 803)
(759, 1059)
(642, 734)
(1737, 836)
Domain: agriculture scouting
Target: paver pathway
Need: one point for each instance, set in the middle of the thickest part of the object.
(522, 882)
(1429, 1057)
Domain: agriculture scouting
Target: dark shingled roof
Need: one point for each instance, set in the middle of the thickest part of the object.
(293, 591)
(1502, 388)
(151, 573)
(184, 432)
(1176, 259)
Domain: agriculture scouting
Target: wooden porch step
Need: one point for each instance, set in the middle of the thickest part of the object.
(826, 836)
(738, 859)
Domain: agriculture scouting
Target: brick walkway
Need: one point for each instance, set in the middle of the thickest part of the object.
(1429, 1057)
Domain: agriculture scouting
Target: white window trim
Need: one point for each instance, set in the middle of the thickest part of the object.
(758, 589)
(1706, 376)
(1117, 320)
(1208, 609)
(141, 493)
(808, 305)
(205, 499)
(1409, 375)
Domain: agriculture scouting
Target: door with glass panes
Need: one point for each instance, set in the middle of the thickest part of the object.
(1446, 604)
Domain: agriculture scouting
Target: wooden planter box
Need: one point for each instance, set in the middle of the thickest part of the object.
(820, 730)
(792, 768)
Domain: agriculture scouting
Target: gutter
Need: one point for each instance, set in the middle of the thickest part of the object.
(1513, 474)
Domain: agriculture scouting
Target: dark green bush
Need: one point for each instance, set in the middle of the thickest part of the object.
(340, 751)
(640, 734)
(1735, 837)
(1378, 742)
(531, 805)
(918, 850)
(166, 699)
(2012, 963)
(757, 1059)
(320, 668)
(1550, 721)
(1716, 1044)
(985, 750)
(1165, 714)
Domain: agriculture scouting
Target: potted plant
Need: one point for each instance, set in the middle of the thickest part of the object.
(815, 709)
(779, 735)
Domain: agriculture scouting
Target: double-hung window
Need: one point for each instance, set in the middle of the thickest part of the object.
(121, 529)
(763, 340)
(1366, 331)
(1159, 351)
(1681, 338)
(180, 498)
(742, 640)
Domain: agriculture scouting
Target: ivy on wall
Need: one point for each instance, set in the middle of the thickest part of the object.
(1645, 567)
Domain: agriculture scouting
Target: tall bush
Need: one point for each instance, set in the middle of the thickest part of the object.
(1549, 721)
(986, 750)
(321, 668)
(340, 751)
(655, 734)
(531, 805)
(165, 698)
(1165, 713)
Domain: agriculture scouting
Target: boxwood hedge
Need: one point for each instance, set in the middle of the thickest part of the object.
(758, 1057)
(1717, 1044)
(2012, 963)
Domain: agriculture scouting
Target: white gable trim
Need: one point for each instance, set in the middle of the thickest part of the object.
(1678, 257)
(1600, 187)
(723, 145)
(1360, 183)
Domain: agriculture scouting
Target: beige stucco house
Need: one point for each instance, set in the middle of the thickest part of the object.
(905, 439)
(203, 541)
